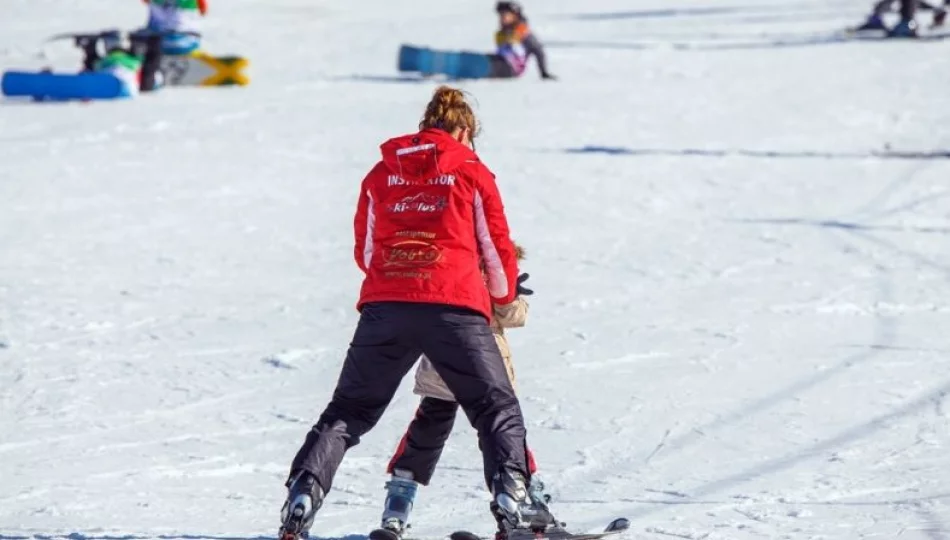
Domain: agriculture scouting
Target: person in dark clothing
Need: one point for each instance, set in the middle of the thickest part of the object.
(136, 60)
(907, 26)
(516, 44)
(427, 213)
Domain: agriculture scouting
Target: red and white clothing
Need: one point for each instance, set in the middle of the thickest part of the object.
(414, 221)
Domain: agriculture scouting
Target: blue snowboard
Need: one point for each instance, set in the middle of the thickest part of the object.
(63, 86)
(458, 65)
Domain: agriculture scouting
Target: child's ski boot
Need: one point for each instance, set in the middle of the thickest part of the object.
(400, 497)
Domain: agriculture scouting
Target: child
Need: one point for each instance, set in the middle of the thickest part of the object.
(420, 448)
(179, 21)
(516, 43)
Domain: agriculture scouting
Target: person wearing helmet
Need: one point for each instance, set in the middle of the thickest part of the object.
(516, 43)
(179, 21)
(134, 60)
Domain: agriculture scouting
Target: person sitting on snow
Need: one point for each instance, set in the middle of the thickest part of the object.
(516, 43)
(179, 21)
(907, 27)
(135, 61)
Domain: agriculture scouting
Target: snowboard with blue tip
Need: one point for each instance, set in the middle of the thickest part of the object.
(458, 65)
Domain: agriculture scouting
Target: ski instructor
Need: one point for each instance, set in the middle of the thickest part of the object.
(427, 213)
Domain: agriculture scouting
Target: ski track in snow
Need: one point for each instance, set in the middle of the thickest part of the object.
(737, 230)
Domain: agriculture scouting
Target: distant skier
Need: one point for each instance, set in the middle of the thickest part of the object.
(134, 60)
(516, 44)
(426, 214)
(420, 448)
(907, 26)
(180, 21)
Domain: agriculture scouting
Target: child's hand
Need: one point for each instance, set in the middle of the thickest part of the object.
(522, 290)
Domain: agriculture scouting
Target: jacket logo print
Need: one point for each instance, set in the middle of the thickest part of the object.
(441, 180)
(411, 254)
(426, 204)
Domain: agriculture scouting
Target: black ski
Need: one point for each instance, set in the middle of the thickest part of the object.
(616, 526)
(141, 33)
(384, 534)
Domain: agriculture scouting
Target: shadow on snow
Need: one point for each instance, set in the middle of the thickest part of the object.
(394, 79)
(658, 13)
(800, 154)
(97, 536)
(832, 38)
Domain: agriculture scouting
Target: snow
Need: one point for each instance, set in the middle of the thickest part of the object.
(739, 236)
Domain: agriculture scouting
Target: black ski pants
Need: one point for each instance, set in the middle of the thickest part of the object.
(388, 341)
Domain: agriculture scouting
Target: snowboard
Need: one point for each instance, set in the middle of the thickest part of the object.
(202, 69)
(141, 33)
(193, 69)
(63, 86)
(616, 526)
(458, 65)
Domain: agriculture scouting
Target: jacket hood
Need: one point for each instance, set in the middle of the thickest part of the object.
(426, 154)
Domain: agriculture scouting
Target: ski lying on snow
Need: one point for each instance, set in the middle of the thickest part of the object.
(616, 526)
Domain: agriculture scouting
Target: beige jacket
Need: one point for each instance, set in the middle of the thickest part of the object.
(513, 315)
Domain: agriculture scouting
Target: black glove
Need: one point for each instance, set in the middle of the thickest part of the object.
(522, 290)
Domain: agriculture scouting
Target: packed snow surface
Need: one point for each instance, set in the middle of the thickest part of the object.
(738, 231)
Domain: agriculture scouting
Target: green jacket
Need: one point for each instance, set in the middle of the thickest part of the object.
(119, 59)
(190, 5)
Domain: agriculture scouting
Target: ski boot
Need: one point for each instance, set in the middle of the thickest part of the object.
(874, 22)
(501, 533)
(907, 28)
(536, 492)
(400, 496)
(538, 498)
(514, 507)
(304, 498)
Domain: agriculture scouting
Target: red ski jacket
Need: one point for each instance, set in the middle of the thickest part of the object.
(427, 213)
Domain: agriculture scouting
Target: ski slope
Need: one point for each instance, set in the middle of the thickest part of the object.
(738, 234)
